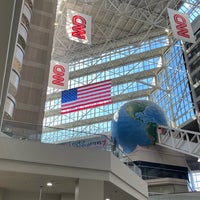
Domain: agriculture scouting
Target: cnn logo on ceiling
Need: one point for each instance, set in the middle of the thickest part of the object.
(58, 75)
(181, 25)
(79, 27)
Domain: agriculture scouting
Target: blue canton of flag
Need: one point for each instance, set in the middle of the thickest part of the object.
(69, 95)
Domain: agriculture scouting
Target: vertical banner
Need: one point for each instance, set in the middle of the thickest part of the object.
(58, 75)
(181, 26)
(78, 27)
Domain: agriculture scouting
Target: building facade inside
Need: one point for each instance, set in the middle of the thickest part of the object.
(133, 46)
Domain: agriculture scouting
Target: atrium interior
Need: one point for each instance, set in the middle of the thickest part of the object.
(133, 46)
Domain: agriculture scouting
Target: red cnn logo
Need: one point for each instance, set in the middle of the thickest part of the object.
(58, 77)
(78, 30)
(181, 25)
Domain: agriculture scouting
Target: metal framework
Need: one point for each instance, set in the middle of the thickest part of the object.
(183, 141)
(114, 23)
(134, 33)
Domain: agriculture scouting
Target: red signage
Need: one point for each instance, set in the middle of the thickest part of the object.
(58, 76)
(78, 28)
(181, 25)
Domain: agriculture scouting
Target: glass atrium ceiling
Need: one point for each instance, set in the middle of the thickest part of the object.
(130, 45)
(115, 23)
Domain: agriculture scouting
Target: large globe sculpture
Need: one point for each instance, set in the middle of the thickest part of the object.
(135, 123)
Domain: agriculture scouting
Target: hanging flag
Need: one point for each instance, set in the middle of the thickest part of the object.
(58, 75)
(78, 27)
(88, 96)
(181, 27)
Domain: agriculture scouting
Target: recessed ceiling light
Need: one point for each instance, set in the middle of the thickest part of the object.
(49, 184)
(167, 30)
(107, 199)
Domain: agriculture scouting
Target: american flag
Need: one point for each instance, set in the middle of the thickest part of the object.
(88, 96)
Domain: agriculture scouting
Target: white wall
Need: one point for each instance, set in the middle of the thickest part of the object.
(24, 195)
(157, 154)
(21, 157)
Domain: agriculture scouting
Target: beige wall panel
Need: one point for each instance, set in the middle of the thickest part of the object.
(39, 37)
(33, 75)
(35, 54)
(26, 116)
(30, 95)
(44, 5)
(42, 20)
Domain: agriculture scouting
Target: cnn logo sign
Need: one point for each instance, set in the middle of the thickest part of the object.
(78, 27)
(58, 76)
(181, 26)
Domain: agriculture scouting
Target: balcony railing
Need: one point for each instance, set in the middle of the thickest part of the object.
(27, 11)
(9, 106)
(25, 21)
(28, 131)
(19, 54)
(14, 82)
(23, 31)
(30, 3)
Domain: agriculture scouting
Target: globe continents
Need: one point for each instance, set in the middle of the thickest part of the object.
(135, 123)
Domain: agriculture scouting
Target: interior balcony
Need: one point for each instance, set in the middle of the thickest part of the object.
(18, 59)
(30, 3)
(27, 10)
(14, 82)
(9, 106)
(23, 31)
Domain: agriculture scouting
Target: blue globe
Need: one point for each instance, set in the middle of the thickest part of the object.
(135, 123)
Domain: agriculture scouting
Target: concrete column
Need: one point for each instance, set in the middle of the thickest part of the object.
(89, 190)
(10, 15)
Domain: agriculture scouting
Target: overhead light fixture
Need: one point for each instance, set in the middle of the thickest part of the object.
(107, 199)
(49, 184)
(167, 30)
(198, 160)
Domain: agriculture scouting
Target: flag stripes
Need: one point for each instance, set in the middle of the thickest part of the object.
(88, 96)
